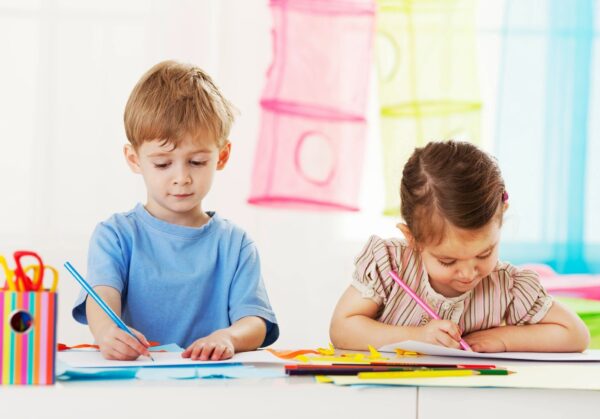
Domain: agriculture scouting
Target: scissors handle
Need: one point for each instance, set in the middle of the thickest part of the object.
(28, 284)
(36, 273)
(9, 279)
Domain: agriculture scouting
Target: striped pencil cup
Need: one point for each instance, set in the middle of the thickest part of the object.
(27, 337)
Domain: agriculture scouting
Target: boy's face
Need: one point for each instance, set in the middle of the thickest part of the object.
(177, 180)
(462, 259)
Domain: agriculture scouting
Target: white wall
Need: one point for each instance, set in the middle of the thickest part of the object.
(67, 69)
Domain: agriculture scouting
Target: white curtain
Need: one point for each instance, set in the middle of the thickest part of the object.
(67, 70)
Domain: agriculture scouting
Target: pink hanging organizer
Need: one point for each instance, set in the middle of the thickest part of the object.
(312, 136)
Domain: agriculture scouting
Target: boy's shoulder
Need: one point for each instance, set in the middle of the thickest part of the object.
(120, 221)
(139, 219)
(227, 227)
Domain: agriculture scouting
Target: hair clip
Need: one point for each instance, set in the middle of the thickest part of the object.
(504, 196)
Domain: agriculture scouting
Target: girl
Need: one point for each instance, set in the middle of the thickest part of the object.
(453, 203)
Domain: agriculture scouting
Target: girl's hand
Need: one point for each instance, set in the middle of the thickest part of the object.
(440, 332)
(119, 345)
(485, 341)
(214, 347)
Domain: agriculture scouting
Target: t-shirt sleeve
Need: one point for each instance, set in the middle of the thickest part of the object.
(530, 301)
(106, 266)
(248, 296)
(371, 271)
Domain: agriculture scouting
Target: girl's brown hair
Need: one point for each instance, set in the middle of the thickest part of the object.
(449, 183)
(174, 99)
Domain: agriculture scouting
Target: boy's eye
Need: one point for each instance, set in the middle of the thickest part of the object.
(450, 263)
(198, 162)
(161, 165)
(487, 255)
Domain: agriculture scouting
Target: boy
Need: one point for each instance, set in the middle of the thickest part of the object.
(172, 271)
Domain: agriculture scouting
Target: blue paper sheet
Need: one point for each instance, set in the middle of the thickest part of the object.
(67, 373)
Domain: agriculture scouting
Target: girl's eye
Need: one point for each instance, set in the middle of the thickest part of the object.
(198, 163)
(446, 263)
(161, 165)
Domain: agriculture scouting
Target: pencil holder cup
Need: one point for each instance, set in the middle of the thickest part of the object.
(27, 337)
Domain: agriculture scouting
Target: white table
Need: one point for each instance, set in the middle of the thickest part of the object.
(506, 403)
(281, 398)
(291, 397)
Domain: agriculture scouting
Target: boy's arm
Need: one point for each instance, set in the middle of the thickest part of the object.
(561, 330)
(245, 334)
(353, 326)
(114, 343)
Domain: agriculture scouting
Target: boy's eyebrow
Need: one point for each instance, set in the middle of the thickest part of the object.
(167, 153)
(479, 254)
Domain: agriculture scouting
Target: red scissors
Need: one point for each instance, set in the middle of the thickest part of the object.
(19, 280)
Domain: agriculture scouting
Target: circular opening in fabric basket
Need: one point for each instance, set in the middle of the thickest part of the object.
(21, 321)
(315, 158)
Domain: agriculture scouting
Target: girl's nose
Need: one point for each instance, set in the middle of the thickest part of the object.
(468, 272)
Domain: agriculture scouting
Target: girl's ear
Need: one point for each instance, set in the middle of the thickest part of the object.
(224, 154)
(407, 235)
(131, 158)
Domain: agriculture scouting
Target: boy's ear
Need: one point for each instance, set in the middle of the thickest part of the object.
(131, 158)
(224, 154)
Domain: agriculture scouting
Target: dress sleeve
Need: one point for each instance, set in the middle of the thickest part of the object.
(530, 301)
(371, 268)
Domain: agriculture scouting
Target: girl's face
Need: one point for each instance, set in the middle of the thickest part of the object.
(462, 259)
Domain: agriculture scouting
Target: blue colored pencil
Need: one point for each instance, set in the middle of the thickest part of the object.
(101, 302)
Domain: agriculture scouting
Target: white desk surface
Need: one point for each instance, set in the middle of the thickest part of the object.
(506, 403)
(283, 398)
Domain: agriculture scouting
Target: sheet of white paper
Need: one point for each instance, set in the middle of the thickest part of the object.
(86, 359)
(429, 349)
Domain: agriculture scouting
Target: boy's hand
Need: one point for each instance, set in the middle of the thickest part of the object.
(485, 341)
(119, 345)
(214, 347)
(440, 332)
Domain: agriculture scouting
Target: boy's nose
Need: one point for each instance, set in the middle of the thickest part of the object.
(182, 177)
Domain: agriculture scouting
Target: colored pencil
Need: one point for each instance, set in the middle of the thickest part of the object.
(345, 370)
(430, 373)
(422, 303)
(109, 312)
(377, 365)
(415, 364)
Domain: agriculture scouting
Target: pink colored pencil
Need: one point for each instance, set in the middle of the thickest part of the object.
(422, 303)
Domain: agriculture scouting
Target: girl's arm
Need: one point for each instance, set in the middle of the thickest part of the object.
(561, 330)
(353, 326)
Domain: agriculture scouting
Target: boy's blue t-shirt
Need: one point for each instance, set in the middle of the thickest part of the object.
(178, 283)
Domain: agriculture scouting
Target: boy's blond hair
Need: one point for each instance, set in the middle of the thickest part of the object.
(173, 100)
